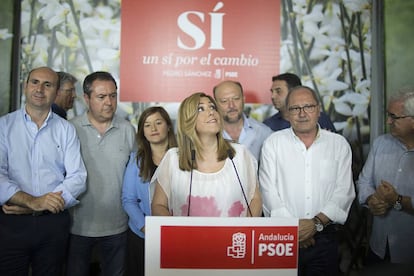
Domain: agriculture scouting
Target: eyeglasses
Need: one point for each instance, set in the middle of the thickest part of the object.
(294, 110)
(395, 117)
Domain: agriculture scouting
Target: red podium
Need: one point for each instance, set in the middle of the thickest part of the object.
(220, 246)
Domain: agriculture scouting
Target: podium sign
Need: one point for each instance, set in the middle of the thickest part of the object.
(220, 246)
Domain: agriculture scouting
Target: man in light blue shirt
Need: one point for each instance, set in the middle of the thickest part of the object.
(237, 126)
(41, 175)
(386, 185)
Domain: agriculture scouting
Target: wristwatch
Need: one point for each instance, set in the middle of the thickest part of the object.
(397, 204)
(318, 224)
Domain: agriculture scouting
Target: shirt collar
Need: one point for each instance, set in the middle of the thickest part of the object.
(85, 121)
(246, 123)
(318, 133)
(28, 118)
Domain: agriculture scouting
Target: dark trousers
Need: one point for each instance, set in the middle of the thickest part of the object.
(375, 265)
(135, 261)
(322, 259)
(36, 242)
(373, 259)
(111, 251)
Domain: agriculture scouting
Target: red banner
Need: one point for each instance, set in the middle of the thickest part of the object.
(172, 48)
(209, 247)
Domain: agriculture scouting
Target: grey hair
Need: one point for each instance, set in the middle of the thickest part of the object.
(406, 95)
(313, 92)
(66, 77)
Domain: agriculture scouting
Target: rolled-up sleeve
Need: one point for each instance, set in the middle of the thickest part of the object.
(74, 182)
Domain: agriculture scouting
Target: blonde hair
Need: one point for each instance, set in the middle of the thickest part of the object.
(187, 136)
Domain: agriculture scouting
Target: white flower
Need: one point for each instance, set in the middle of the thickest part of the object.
(357, 5)
(351, 104)
(71, 41)
(4, 34)
(352, 130)
(53, 12)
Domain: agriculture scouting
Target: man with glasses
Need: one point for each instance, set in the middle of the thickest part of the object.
(281, 84)
(386, 185)
(305, 173)
(66, 94)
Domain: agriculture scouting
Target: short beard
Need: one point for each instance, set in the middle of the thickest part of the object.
(232, 121)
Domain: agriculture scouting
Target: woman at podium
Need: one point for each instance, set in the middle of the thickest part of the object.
(205, 175)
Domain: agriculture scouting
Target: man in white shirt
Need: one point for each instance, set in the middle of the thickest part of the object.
(305, 173)
(237, 126)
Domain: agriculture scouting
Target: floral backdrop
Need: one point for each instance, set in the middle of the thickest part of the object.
(327, 43)
(6, 39)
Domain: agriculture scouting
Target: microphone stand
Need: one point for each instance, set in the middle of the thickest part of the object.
(191, 181)
(230, 154)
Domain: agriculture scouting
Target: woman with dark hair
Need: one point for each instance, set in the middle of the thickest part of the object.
(206, 175)
(154, 137)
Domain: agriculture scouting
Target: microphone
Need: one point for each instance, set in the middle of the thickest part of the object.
(191, 180)
(231, 156)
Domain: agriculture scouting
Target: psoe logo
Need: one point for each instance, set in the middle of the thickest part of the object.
(237, 250)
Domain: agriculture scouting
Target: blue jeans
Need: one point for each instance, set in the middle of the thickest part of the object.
(111, 251)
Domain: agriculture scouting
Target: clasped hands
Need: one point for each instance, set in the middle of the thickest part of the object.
(52, 202)
(383, 199)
